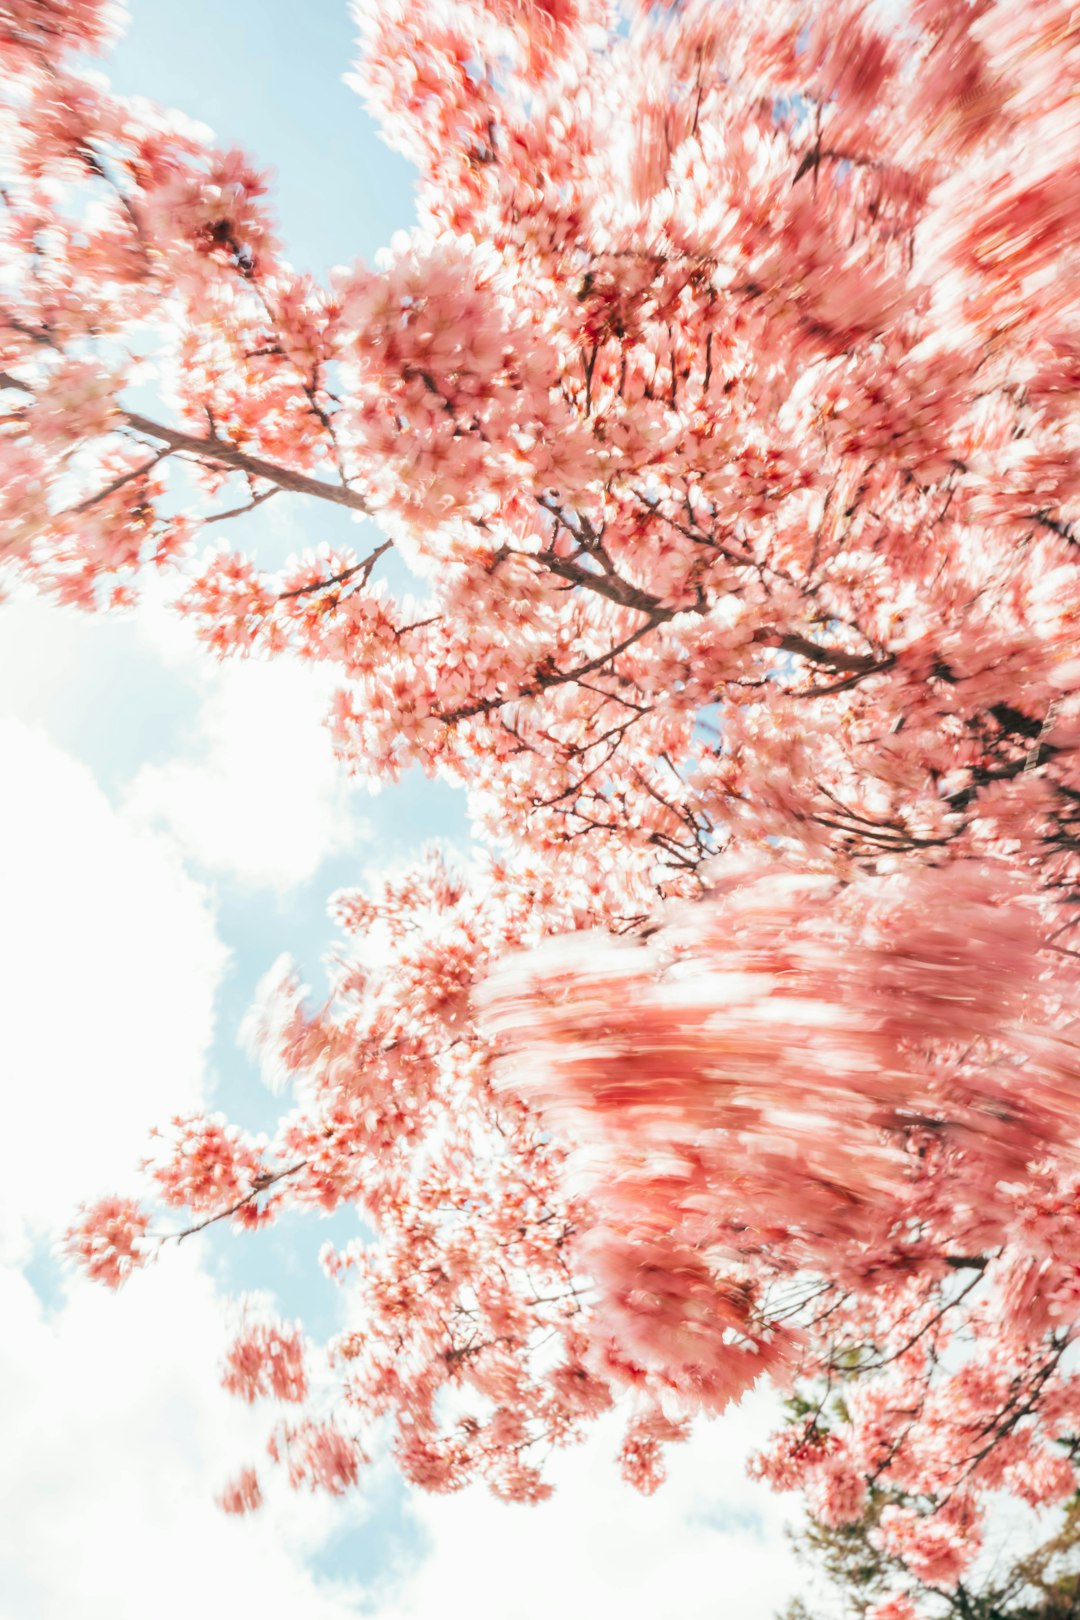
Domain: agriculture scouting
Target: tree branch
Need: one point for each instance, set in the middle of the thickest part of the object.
(220, 452)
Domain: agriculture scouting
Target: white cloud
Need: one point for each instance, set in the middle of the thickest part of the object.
(240, 769)
(44, 651)
(257, 793)
(708, 1546)
(109, 961)
(116, 1438)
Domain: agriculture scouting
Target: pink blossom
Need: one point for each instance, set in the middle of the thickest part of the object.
(934, 1550)
(721, 407)
(896, 1607)
(109, 1240)
(266, 1360)
(318, 1455)
(242, 1494)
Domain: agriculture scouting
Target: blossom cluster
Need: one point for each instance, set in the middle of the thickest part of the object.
(721, 407)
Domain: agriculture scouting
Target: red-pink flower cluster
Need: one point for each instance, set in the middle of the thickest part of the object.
(242, 1494)
(897, 1607)
(722, 407)
(936, 1549)
(109, 1240)
(266, 1359)
(213, 1169)
(317, 1455)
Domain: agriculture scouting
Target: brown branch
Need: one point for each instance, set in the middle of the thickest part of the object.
(239, 511)
(557, 677)
(829, 657)
(363, 568)
(263, 1183)
(222, 453)
(949, 1305)
(116, 484)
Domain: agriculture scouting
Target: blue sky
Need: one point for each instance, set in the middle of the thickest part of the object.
(268, 75)
(169, 829)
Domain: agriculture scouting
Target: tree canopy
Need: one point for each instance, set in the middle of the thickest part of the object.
(721, 412)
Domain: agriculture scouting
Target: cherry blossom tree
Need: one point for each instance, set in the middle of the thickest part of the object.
(1039, 1583)
(721, 410)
